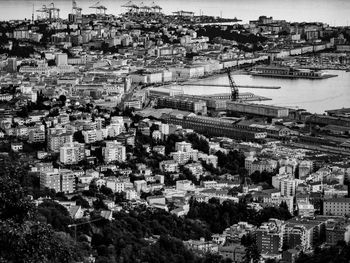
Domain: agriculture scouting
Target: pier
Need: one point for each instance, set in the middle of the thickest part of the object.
(244, 96)
(228, 86)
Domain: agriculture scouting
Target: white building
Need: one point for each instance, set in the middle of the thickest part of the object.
(184, 185)
(288, 187)
(61, 59)
(253, 164)
(56, 141)
(60, 180)
(114, 151)
(183, 146)
(140, 185)
(72, 153)
(90, 136)
(169, 166)
(116, 185)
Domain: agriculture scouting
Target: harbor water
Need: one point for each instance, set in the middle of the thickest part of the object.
(315, 96)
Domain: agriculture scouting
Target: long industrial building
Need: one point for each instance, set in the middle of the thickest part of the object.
(328, 120)
(257, 109)
(193, 105)
(215, 127)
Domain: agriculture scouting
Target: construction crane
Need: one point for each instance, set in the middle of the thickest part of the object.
(100, 9)
(233, 86)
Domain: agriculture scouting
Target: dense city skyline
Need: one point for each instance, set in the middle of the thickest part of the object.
(331, 12)
(164, 134)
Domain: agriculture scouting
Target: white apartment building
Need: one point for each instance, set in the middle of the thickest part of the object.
(299, 236)
(169, 166)
(277, 179)
(336, 206)
(61, 59)
(60, 180)
(140, 185)
(131, 194)
(72, 153)
(184, 157)
(36, 136)
(157, 135)
(184, 185)
(210, 184)
(116, 185)
(115, 129)
(253, 164)
(183, 146)
(51, 180)
(117, 119)
(114, 151)
(56, 141)
(288, 187)
(90, 136)
(164, 129)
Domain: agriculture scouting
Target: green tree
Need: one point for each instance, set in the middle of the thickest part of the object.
(55, 214)
(14, 202)
(63, 99)
(78, 137)
(252, 253)
(22, 237)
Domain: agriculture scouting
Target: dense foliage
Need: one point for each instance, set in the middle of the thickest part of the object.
(339, 253)
(221, 216)
(22, 237)
(42, 234)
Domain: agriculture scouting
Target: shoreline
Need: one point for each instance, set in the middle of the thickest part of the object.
(215, 75)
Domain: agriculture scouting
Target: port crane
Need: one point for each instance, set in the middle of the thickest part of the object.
(131, 7)
(144, 8)
(76, 9)
(156, 8)
(232, 83)
(233, 86)
(100, 9)
(44, 12)
(50, 12)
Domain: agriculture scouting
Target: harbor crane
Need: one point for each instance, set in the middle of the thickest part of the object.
(44, 11)
(100, 9)
(131, 7)
(156, 8)
(142, 8)
(233, 86)
(76, 9)
(54, 13)
(50, 12)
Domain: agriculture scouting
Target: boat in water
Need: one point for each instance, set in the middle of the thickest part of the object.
(289, 72)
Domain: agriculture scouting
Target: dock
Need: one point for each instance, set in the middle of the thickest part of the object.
(228, 86)
(244, 96)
